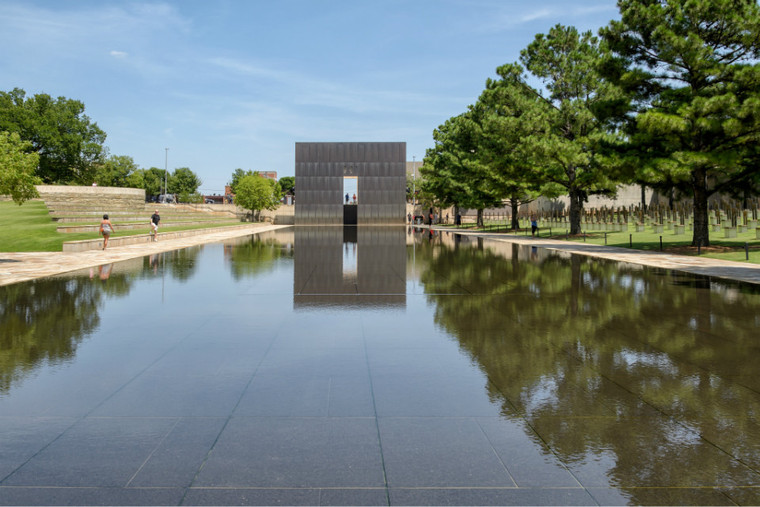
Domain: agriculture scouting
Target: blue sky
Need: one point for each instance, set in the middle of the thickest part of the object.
(235, 84)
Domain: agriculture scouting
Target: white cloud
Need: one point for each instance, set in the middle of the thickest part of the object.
(539, 14)
(118, 54)
(507, 18)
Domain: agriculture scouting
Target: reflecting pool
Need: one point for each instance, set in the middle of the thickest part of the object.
(375, 366)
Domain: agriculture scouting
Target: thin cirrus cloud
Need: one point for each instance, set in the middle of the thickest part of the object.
(118, 54)
(301, 89)
(559, 13)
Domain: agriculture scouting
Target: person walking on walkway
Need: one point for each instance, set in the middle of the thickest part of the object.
(106, 228)
(154, 219)
(533, 224)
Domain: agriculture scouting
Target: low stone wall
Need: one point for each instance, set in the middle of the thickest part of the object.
(97, 243)
(91, 197)
(284, 215)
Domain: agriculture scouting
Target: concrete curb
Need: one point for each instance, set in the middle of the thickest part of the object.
(97, 244)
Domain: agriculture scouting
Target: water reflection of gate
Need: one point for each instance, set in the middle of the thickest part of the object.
(350, 266)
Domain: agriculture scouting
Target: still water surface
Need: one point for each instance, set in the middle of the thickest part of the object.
(376, 366)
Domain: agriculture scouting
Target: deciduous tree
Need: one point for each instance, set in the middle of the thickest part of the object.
(115, 171)
(288, 183)
(17, 168)
(237, 175)
(255, 193)
(152, 180)
(67, 141)
(184, 181)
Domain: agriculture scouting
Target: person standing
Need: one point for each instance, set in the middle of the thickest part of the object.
(346, 197)
(533, 224)
(106, 228)
(155, 218)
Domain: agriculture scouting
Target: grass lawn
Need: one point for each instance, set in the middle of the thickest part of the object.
(29, 228)
(732, 249)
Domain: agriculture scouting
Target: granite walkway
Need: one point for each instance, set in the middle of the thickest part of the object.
(740, 271)
(22, 266)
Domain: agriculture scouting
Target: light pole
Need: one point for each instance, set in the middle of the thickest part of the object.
(414, 182)
(166, 174)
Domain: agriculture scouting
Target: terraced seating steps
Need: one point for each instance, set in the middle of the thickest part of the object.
(84, 216)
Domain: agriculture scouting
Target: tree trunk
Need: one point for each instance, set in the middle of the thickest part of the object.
(515, 209)
(575, 285)
(701, 235)
(702, 312)
(644, 198)
(480, 218)
(576, 209)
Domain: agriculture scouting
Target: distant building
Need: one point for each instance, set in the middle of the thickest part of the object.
(272, 175)
(413, 168)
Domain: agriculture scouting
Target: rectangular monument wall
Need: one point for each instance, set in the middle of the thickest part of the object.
(380, 169)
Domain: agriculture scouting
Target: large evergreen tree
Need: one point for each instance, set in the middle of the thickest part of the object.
(565, 130)
(453, 170)
(693, 66)
(504, 110)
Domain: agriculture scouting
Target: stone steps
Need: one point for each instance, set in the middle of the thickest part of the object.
(133, 218)
(81, 211)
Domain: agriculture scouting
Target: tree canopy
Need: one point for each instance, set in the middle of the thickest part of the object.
(256, 193)
(184, 181)
(288, 184)
(116, 171)
(667, 97)
(566, 133)
(517, 141)
(68, 143)
(237, 175)
(17, 168)
(693, 66)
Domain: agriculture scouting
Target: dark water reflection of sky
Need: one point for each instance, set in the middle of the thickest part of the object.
(412, 367)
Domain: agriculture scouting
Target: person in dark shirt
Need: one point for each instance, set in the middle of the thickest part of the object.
(154, 219)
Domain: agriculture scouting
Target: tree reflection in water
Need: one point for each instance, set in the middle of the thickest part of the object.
(252, 255)
(43, 321)
(646, 373)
